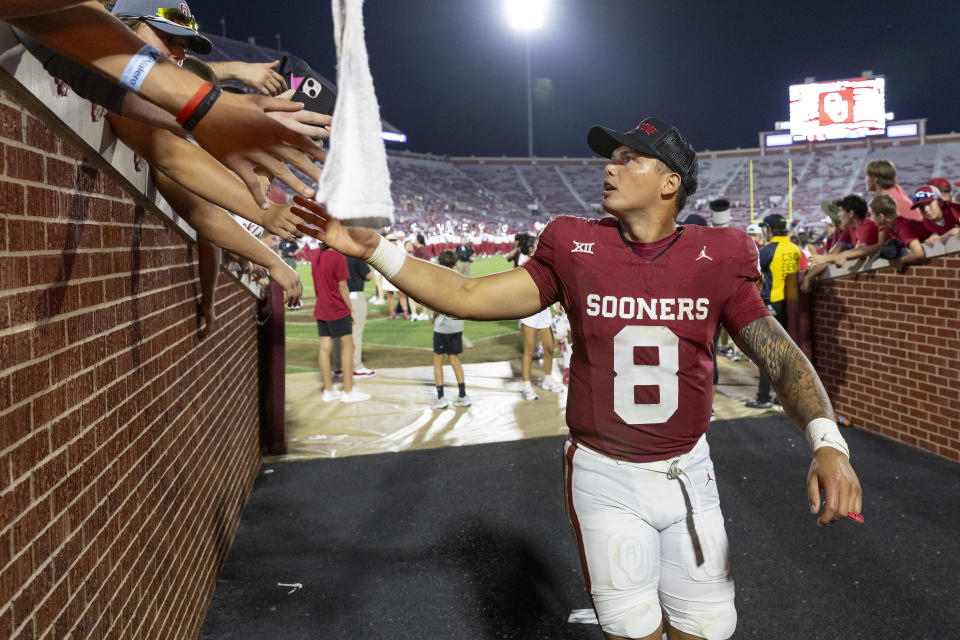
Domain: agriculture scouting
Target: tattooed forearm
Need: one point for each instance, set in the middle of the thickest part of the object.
(799, 388)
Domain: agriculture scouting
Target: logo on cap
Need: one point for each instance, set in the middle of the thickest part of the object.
(924, 194)
(646, 127)
(185, 9)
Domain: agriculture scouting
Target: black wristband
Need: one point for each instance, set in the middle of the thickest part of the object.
(202, 108)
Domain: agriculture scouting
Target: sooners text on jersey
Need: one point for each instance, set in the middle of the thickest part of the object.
(641, 375)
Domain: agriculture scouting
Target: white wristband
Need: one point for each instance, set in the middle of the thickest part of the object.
(387, 258)
(822, 432)
(139, 66)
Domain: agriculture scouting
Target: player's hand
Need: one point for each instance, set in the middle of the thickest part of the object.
(840, 260)
(309, 123)
(238, 132)
(282, 274)
(932, 240)
(830, 472)
(356, 242)
(820, 259)
(261, 76)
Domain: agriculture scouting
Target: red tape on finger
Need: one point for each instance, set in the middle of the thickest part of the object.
(856, 517)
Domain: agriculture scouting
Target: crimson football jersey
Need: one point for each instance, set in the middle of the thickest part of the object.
(641, 375)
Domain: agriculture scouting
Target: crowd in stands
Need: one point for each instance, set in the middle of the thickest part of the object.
(434, 191)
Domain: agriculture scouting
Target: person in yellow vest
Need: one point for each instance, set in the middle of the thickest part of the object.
(778, 258)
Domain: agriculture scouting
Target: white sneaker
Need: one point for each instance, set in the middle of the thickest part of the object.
(424, 316)
(549, 384)
(461, 401)
(338, 374)
(363, 372)
(529, 394)
(355, 395)
(440, 403)
(329, 396)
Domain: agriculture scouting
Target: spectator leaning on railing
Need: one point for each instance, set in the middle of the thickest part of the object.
(940, 216)
(851, 212)
(899, 235)
(862, 231)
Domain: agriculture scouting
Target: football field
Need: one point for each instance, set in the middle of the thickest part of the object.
(398, 342)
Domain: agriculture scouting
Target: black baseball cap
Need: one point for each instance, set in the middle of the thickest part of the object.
(775, 221)
(653, 137)
(174, 18)
(697, 219)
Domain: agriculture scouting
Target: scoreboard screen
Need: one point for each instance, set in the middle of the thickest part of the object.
(837, 110)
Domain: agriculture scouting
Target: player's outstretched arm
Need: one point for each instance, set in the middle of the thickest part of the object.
(803, 397)
(510, 294)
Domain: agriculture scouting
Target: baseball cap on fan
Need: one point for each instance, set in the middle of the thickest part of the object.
(924, 195)
(653, 137)
(774, 221)
(174, 18)
(940, 183)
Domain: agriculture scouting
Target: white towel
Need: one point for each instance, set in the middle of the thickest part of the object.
(355, 184)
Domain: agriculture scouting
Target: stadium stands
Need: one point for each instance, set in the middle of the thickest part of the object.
(500, 190)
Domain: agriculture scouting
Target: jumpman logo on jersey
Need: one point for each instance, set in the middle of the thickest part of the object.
(708, 479)
(703, 254)
(582, 247)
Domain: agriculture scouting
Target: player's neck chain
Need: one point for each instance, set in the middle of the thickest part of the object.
(665, 249)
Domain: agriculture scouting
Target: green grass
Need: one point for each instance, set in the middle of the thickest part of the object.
(399, 342)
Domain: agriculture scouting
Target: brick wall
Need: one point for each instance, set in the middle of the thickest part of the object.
(887, 348)
(127, 447)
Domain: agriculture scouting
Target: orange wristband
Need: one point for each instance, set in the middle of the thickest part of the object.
(193, 102)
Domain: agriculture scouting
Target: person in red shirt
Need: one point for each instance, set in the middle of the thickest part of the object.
(941, 218)
(946, 189)
(863, 232)
(334, 316)
(880, 176)
(644, 298)
(901, 246)
(833, 229)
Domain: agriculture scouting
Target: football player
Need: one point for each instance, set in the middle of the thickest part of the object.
(645, 298)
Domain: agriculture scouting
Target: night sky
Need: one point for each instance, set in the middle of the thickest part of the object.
(451, 73)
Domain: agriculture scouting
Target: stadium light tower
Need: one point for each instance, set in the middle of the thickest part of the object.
(527, 15)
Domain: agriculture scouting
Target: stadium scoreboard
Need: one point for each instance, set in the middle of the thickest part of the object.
(837, 110)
